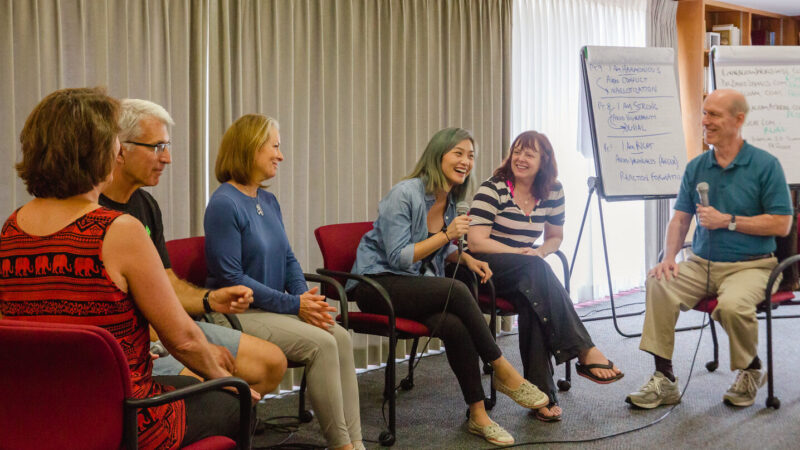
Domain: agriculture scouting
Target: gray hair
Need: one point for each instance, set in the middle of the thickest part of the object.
(133, 110)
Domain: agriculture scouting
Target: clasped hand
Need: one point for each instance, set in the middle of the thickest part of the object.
(314, 309)
(708, 217)
(231, 299)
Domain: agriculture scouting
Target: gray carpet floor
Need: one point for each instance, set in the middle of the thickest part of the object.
(432, 414)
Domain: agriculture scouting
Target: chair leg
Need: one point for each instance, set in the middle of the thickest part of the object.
(303, 414)
(387, 437)
(565, 383)
(712, 365)
(407, 383)
(772, 400)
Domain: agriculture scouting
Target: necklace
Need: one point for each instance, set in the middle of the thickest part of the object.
(258, 207)
(524, 202)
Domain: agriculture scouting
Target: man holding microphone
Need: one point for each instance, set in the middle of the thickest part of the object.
(741, 199)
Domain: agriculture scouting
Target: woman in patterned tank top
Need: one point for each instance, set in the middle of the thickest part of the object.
(66, 259)
(522, 201)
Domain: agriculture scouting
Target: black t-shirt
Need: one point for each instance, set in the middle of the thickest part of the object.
(144, 207)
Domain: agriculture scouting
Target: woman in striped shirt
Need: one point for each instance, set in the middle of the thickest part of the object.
(510, 211)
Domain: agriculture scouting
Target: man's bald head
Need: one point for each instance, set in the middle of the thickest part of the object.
(731, 100)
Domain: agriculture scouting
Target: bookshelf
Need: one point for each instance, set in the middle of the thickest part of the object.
(694, 19)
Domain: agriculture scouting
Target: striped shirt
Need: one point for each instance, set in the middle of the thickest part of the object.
(493, 205)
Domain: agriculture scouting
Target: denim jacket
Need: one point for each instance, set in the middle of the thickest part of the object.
(402, 222)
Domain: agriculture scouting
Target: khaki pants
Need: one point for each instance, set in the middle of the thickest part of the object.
(739, 287)
(330, 369)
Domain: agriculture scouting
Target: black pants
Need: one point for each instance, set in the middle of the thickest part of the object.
(213, 413)
(463, 328)
(548, 323)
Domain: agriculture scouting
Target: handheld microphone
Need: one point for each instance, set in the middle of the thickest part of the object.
(462, 208)
(702, 191)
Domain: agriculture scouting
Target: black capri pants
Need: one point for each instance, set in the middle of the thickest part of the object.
(463, 330)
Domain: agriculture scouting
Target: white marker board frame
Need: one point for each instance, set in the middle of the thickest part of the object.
(769, 78)
(643, 159)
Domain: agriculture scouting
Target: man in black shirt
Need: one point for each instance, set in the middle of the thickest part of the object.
(144, 156)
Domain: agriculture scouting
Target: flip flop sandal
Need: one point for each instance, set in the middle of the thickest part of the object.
(584, 370)
(539, 416)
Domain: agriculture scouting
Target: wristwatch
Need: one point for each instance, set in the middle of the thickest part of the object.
(206, 304)
(732, 223)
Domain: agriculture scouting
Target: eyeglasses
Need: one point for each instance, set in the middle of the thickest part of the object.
(158, 149)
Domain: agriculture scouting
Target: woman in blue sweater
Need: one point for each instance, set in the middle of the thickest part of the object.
(246, 244)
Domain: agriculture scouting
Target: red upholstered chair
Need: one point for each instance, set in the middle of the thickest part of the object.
(188, 258)
(496, 306)
(338, 244)
(68, 386)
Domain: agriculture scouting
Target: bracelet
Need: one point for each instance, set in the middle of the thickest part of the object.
(206, 304)
(445, 235)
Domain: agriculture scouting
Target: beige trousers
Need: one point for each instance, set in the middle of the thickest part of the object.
(330, 369)
(739, 287)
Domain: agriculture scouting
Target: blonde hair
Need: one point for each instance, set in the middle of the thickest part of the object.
(239, 145)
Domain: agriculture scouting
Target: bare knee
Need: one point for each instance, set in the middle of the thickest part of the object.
(261, 363)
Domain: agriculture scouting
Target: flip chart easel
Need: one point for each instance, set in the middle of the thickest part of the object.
(633, 113)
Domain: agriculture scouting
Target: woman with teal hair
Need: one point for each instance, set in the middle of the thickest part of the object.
(405, 253)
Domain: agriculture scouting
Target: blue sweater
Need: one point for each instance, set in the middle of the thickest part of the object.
(243, 247)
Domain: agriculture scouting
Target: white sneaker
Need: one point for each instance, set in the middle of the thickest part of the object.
(656, 392)
(744, 389)
(493, 433)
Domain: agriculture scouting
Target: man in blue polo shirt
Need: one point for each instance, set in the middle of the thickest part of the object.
(748, 205)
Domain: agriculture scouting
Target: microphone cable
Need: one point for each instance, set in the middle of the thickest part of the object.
(641, 427)
(671, 408)
(432, 334)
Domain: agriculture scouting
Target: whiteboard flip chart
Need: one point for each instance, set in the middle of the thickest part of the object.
(635, 120)
(769, 78)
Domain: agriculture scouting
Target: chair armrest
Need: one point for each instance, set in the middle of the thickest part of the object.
(776, 271)
(245, 407)
(473, 284)
(382, 294)
(231, 318)
(565, 266)
(322, 279)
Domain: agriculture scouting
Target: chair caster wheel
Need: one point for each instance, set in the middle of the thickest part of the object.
(563, 385)
(386, 439)
(406, 384)
(488, 403)
(487, 369)
(773, 402)
(305, 416)
(712, 366)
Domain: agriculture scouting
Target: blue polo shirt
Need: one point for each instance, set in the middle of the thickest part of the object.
(752, 184)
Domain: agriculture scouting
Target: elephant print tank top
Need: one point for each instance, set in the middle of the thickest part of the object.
(61, 278)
